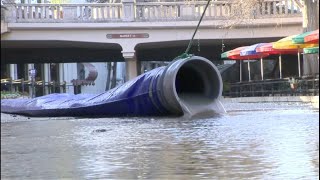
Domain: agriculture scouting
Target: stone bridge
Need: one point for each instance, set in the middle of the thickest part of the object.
(136, 31)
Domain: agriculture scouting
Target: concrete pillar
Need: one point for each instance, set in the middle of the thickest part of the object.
(128, 10)
(13, 71)
(47, 78)
(131, 65)
(13, 74)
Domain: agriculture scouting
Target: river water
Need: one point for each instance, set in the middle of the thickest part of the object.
(250, 141)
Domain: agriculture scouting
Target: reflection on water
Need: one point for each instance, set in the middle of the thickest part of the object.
(279, 144)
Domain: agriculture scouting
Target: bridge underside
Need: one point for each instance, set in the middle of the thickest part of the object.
(22, 52)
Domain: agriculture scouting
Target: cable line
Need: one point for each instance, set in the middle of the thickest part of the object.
(185, 54)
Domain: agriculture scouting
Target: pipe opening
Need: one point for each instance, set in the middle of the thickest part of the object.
(197, 83)
(189, 81)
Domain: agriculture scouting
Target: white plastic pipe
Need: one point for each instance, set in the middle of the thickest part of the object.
(280, 66)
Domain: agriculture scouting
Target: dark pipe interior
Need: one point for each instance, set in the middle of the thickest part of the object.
(196, 81)
(189, 81)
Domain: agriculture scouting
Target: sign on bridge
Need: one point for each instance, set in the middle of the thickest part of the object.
(123, 36)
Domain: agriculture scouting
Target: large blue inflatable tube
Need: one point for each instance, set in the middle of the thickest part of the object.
(183, 84)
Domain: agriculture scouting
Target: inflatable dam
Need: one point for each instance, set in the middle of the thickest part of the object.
(189, 85)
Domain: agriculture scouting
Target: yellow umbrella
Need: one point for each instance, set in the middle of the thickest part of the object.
(287, 44)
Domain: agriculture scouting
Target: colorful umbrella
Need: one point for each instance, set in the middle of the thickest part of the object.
(224, 55)
(312, 38)
(235, 53)
(251, 53)
(232, 54)
(286, 43)
(299, 39)
(267, 48)
(312, 50)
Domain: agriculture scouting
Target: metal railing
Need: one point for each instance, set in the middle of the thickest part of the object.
(141, 11)
(306, 86)
(21, 85)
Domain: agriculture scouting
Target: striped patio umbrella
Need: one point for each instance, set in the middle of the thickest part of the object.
(224, 55)
(312, 50)
(312, 38)
(287, 44)
(267, 48)
(299, 39)
(235, 53)
(251, 53)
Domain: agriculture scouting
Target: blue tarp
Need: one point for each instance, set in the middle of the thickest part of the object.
(136, 97)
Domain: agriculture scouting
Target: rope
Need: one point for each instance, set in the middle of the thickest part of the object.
(185, 54)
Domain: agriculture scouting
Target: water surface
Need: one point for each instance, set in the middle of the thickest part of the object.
(250, 141)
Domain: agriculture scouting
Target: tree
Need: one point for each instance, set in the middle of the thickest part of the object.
(241, 12)
(310, 15)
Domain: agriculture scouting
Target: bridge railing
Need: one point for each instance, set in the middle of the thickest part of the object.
(143, 11)
(181, 10)
(68, 12)
(268, 8)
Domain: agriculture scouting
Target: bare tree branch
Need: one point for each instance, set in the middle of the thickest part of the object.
(242, 13)
(300, 5)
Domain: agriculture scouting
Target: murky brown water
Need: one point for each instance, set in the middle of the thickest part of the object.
(272, 142)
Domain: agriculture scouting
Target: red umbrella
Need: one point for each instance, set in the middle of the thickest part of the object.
(312, 38)
(270, 50)
(235, 55)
